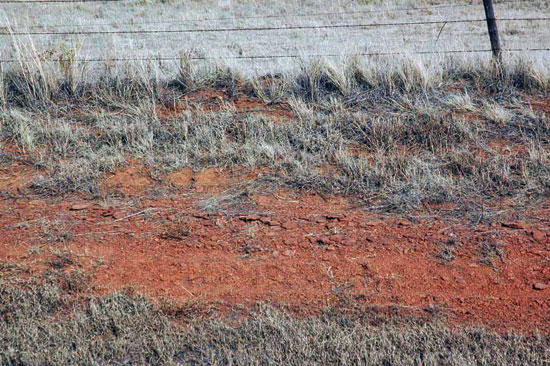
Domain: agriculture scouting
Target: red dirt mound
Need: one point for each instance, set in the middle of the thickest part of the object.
(208, 180)
(131, 180)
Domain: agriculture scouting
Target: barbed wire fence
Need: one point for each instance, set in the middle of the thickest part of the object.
(491, 20)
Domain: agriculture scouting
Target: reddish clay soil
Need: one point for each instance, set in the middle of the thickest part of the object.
(134, 180)
(130, 180)
(214, 100)
(212, 180)
(539, 104)
(15, 177)
(304, 251)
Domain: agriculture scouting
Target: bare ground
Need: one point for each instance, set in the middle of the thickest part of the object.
(305, 251)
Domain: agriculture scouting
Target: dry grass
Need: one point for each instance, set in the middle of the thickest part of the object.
(401, 132)
(44, 323)
(162, 15)
(396, 132)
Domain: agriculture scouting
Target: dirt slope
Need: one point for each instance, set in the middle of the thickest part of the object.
(300, 250)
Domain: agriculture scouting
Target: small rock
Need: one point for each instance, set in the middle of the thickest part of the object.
(539, 286)
(80, 206)
(403, 222)
(538, 235)
(518, 225)
(250, 218)
(372, 223)
(291, 241)
(322, 241)
(289, 225)
(336, 238)
(270, 222)
(288, 253)
(108, 211)
(36, 203)
(203, 216)
(351, 242)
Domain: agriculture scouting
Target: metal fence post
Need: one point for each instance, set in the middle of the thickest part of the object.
(493, 30)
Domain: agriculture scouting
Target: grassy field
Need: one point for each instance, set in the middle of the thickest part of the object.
(225, 46)
(394, 135)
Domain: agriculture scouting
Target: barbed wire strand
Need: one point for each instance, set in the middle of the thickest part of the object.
(122, 1)
(255, 29)
(266, 57)
(57, 1)
(273, 16)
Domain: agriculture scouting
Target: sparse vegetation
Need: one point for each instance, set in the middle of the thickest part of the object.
(448, 249)
(492, 252)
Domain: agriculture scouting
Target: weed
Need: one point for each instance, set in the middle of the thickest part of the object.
(177, 229)
(447, 252)
(56, 231)
(492, 252)
(61, 260)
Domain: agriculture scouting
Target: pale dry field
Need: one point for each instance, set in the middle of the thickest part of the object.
(228, 47)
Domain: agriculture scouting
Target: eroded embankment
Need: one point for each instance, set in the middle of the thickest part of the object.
(305, 251)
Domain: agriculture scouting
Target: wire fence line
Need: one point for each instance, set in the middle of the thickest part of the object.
(255, 29)
(268, 57)
(10, 32)
(243, 29)
(273, 16)
(57, 1)
(123, 1)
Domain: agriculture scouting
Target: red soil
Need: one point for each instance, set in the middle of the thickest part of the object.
(304, 251)
(208, 180)
(131, 180)
(539, 104)
(15, 177)
(213, 100)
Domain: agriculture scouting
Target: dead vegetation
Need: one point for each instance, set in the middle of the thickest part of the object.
(45, 322)
(399, 133)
